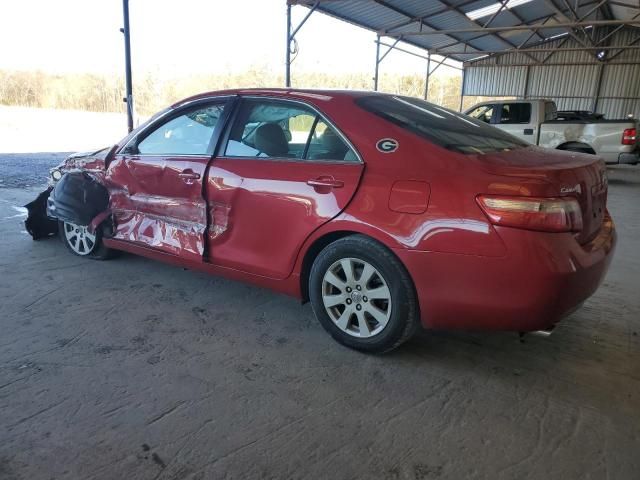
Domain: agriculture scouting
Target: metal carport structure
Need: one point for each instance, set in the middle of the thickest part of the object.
(505, 46)
(522, 48)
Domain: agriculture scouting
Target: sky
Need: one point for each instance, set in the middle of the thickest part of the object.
(176, 38)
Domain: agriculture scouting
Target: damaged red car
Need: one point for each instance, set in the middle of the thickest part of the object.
(386, 212)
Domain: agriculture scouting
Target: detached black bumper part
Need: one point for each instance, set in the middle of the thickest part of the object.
(77, 198)
(38, 224)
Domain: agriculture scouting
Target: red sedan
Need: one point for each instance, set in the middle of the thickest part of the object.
(386, 212)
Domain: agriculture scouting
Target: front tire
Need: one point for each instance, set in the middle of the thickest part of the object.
(80, 242)
(363, 296)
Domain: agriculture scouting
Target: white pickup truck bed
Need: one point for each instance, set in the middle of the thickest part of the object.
(616, 141)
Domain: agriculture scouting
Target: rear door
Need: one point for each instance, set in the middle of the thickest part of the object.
(282, 171)
(515, 118)
(156, 181)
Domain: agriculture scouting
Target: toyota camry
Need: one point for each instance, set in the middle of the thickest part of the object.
(386, 212)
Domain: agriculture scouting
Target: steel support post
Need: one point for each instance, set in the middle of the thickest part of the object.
(287, 74)
(462, 90)
(127, 64)
(375, 75)
(291, 37)
(596, 98)
(426, 82)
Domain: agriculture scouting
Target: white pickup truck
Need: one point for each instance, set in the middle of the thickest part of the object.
(536, 122)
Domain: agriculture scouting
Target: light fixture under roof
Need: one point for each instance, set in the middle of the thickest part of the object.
(491, 9)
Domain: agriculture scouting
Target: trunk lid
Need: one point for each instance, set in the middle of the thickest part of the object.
(553, 173)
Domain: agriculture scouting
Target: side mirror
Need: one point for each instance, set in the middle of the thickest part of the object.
(131, 149)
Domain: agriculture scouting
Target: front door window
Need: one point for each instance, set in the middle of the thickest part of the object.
(187, 134)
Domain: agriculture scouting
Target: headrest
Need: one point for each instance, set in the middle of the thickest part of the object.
(331, 141)
(270, 139)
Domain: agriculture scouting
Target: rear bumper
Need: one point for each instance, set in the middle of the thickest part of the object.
(629, 158)
(625, 158)
(543, 278)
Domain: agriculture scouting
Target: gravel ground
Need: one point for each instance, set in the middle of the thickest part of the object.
(21, 170)
(135, 369)
(32, 140)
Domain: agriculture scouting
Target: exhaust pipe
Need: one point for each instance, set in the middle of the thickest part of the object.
(542, 333)
(538, 333)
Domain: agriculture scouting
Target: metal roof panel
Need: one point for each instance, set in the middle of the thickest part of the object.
(403, 16)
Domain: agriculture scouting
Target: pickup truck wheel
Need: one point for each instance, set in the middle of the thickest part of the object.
(578, 150)
(82, 243)
(363, 296)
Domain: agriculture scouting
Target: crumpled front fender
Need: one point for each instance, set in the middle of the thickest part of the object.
(77, 198)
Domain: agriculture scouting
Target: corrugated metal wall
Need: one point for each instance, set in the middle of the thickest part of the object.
(568, 77)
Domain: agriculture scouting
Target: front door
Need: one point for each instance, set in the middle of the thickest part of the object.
(155, 184)
(282, 172)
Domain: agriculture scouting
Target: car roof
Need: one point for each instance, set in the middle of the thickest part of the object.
(292, 93)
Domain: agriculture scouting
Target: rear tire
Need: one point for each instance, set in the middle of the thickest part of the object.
(363, 296)
(80, 242)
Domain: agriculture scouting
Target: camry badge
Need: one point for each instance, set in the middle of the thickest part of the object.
(574, 189)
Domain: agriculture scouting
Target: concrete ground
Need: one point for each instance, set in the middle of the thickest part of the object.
(132, 369)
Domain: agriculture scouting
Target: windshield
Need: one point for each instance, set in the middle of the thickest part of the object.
(444, 127)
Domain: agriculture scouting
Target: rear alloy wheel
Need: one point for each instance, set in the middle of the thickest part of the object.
(81, 242)
(362, 295)
(356, 297)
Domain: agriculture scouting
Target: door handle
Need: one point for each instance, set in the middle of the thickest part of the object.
(325, 182)
(189, 175)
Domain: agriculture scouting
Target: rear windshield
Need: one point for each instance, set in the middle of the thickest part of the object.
(444, 127)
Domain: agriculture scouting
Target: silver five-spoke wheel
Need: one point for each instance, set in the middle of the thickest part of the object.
(79, 239)
(356, 297)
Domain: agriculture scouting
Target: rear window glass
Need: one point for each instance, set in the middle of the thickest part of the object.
(515, 113)
(444, 127)
(550, 111)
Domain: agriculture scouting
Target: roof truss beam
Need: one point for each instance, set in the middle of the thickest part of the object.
(566, 16)
(399, 11)
(630, 46)
(586, 15)
(538, 26)
(534, 32)
(570, 30)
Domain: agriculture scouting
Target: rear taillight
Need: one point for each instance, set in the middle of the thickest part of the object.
(629, 136)
(530, 213)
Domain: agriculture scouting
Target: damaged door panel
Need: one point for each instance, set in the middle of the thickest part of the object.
(282, 172)
(153, 204)
(156, 182)
(246, 235)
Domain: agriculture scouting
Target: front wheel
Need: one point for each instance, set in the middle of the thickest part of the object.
(362, 295)
(82, 243)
